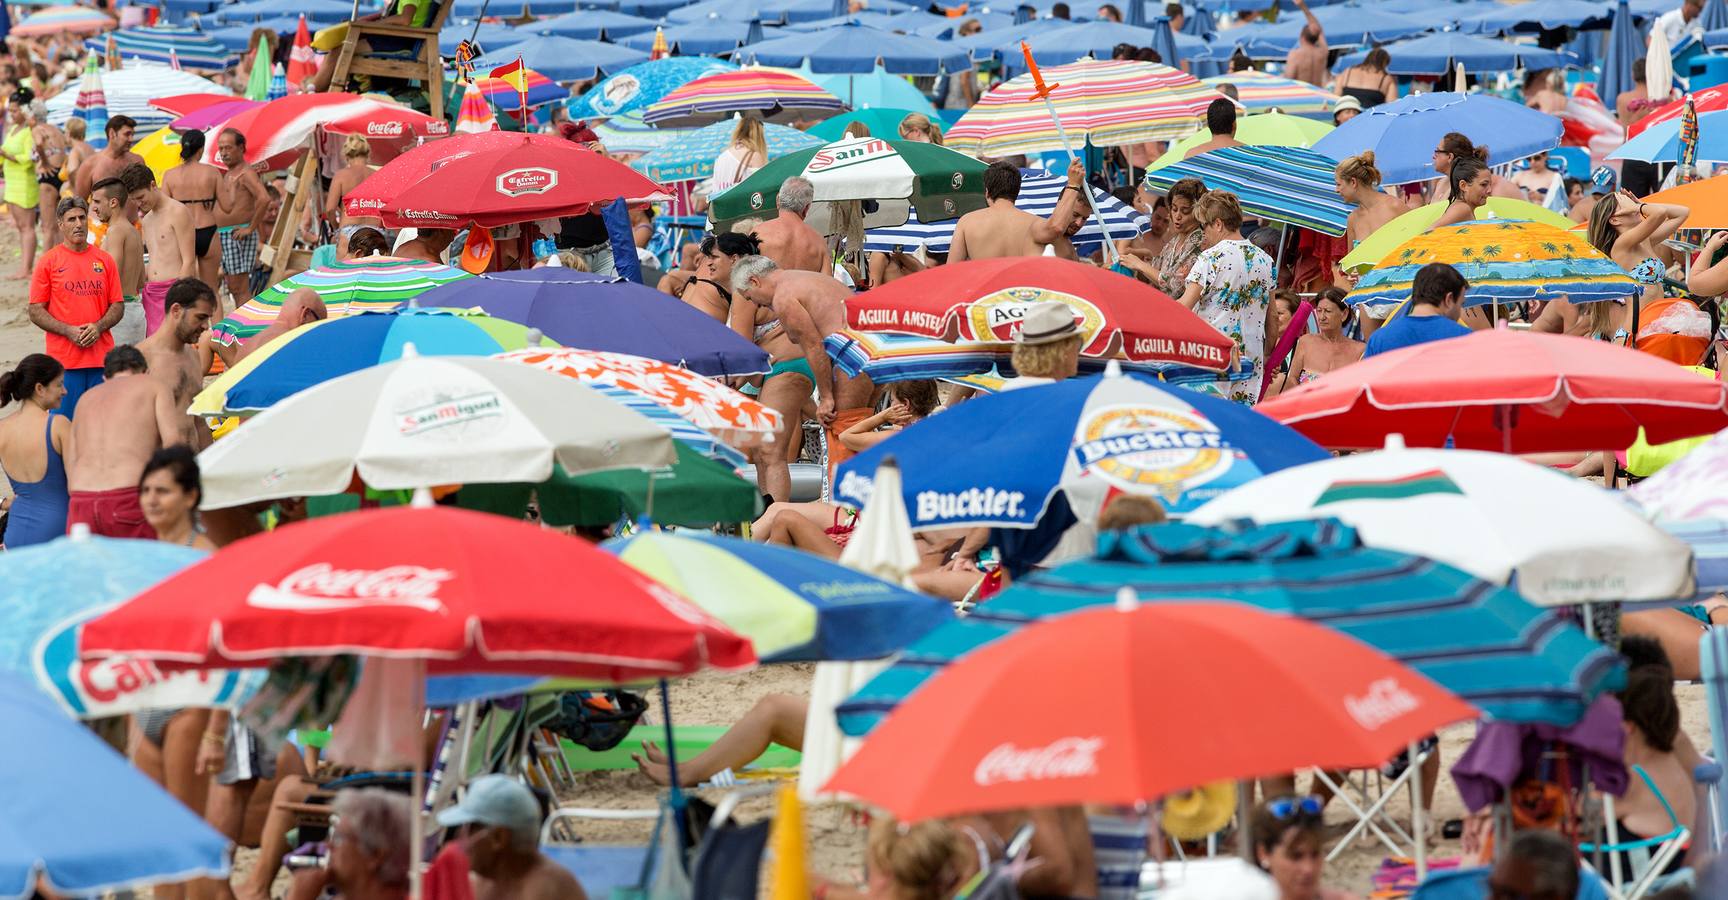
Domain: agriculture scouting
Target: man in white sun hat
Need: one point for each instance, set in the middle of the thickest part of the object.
(499, 820)
(1047, 346)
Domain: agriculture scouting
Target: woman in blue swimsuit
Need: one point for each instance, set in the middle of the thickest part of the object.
(33, 443)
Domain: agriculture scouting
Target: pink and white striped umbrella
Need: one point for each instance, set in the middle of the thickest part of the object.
(1112, 103)
(278, 130)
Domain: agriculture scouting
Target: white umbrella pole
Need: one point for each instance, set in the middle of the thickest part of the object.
(1068, 146)
(1416, 823)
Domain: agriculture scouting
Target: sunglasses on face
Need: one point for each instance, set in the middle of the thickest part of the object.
(1286, 808)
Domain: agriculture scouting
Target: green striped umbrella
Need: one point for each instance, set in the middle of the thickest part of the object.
(369, 285)
(940, 183)
(694, 492)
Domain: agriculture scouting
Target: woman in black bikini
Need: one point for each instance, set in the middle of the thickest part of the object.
(1368, 81)
(194, 184)
(51, 147)
(707, 291)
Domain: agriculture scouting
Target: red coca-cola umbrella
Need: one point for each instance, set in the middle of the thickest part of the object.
(984, 300)
(277, 131)
(495, 178)
(466, 591)
(1504, 390)
(1119, 706)
(1710, 99)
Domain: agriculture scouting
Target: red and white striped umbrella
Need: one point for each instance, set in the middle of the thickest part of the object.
(278, 130)
(1108, 102)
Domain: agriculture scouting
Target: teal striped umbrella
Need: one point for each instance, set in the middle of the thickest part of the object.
(373, 284)
(1282, 184)
(1514, 661)
(689, 155)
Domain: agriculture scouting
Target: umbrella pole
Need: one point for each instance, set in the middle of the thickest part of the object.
(1416, 823)
(676, 795)
(1244, 822)
(1068, 147)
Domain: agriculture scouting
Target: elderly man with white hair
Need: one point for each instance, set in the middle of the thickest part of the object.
(369, 841)
(787, 238)
(500, 830)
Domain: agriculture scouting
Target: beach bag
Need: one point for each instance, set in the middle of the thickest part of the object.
(598, 720)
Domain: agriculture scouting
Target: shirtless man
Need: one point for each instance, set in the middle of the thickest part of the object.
(428, 245)
(1307, 60)
(302, 306)
(170, 237)
(110, 160)
(241, 202)
(809, 307)
(112, 201)
(172, 352)
(194, 184)
(1221, 122)
(500, 822)
(788, 239)
(1003, 229)
(119, 424)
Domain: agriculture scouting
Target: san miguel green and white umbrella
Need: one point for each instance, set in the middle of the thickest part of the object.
(891, 176)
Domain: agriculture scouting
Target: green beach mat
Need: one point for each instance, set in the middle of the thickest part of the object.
(692, 739)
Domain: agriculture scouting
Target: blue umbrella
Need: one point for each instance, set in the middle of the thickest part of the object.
(640, 86)
(1715, 15)
(238, 38)
(794, 11)
(723, 10)
(1436, 54)
(490, 36)
(1203, 25)
(162, 43)
(1404, 133)
(80, 817)
(877, 88)
(1484, 643)
(934, 26)
(1282, 184)
(689, 156)
(629, 134)
(1661, 142)
(1537, 15)
(877, 20)
(1624, 47)
(593, 25)
(620, 316)
(989, 42)
(325, 11)
(1163, 39)
(858, 50)
(653, 9)
(563, 59)
(1345, 26)
(1068, 43)
(711, 36)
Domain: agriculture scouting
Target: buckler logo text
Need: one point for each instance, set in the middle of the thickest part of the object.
(1069, 757)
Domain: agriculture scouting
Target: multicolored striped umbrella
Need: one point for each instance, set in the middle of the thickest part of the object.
(378, 283)
(887, 357)
(475, 114)
(1505, 261)
(92, 104)
(503, 94)
(63, 19)
(1039, 193)
(1269, 129)
(1386, 238)
(689, 155)
(1109, 103)
(778, 96)
(165, 43)
(899, 175)
(1260, 92)
(1283, 184)
(639, 86)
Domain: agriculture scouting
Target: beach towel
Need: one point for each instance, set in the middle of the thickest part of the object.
(843, 419)
(155, 298)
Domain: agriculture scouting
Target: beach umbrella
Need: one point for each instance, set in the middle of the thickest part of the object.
(880, 21)
(279, 83)
(327, 12)
(163, 43)
(709, 36)
(215, 115)
(314, 353)
(1355, 709)
(84, 821)
(629, 134)
(504, 95)
(1515, 661)
(1050, 455)
(651, 9)
(62, 19)
(943, 183)
(635, 88)
(1073, 42)
(1387, 238)
(358, 285)
(594, 25)
(1690, 489)
(1259, 92)
(856, 49)
(1704, 100)
(1106, 103)
(1500, 393)
(494, 179)
(183, 104)
(706, 403)
(577, 309)
(1345, 26)
(476, 114)
(1436, 54)
(1666, 141)
(564, 59)
(886, 357)
(1714, 16)
(1281, 184)
(92, 105)
(690, 155)
(882, 122)
(1404, 133)
(276, 132)
(464, 591)
(876, 89)
(1505, 261)
(697, 491)
(238, 38)
(1039, 194)
(733, 10)
(160, 150)
(302, 59)
(1537, 16)
(777, 96)
(794, 11)
(1707, 200)
(794, 606)
(984, 300)
(1266, 129)
(1555, 539)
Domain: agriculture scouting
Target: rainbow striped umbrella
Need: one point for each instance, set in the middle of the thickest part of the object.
(503, 94)
(92, 104)
(63, 19)
(1505, 261)
(378, 283)
(1109, 103)
(689, 155)
(778, 96)
(475, 114)
(1260, 92)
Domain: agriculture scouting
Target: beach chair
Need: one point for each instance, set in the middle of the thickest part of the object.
(1651, 856)
(727, 854)
(1366, 792)
(1713, 666)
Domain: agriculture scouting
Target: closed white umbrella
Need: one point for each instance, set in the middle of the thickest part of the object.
(1659, 67)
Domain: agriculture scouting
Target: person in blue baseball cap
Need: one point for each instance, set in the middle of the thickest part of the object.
(499, 821)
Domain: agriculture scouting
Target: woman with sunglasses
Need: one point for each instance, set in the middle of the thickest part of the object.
(1288, 845)
(706, 290)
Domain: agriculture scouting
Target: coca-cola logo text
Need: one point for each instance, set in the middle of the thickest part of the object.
(1385, 701)
(384, 129)
(321, 587)
(1070, 757)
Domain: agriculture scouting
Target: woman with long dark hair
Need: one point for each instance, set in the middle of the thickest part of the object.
(194, 183)
(33, 446)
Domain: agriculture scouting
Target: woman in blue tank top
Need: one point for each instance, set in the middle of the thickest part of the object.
(32, 443)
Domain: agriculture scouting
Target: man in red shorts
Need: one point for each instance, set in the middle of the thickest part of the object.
(119, 424)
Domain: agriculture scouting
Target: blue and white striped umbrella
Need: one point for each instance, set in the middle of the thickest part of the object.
(1514, 661)
(1038, 195)
(130, 89)
(195, 49)
(689, 155)
(1282, 184)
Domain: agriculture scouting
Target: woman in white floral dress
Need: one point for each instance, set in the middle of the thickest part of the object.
(1230, 286)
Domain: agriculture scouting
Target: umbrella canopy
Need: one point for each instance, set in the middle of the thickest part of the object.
(1000, 460)
(470, 592)
(1707, 200)
(182, 104)
(594, 25)
(794, 607)
(360, 285)
(1107, 103)
(1073, 42)
(639, 86)
(1355, 708)
(1624, 48)
(491, 37)
(63, 786)
(1505, 261)
(697, 491)
(778, 96)
(475, 114)
(562, 58)
(984, 300)
(504, 94)
(1555, 539)
(882, 122)
(1538, 15)
(629, 134)
(690, 155)
(129, 91)
(1436, 54)
(160, 150)
(710, 36)
(1407, 226)
(493, 179)
(1663, 142)
(1345, 26)
(1039, 194)
(875, 89)
(1404, 133)
(941, 183)
(1515, 661)
(167, 43)
(854, 48)
(887, 357)
(1690, 489)
(62, 19)
(1259, 92)
(279, 130)
(581, 310)
(1714, 16)
(92, 105)
(214, 115)
(1282, 184)
(1512, 391)
(1268, 129)
(1706, 100)
(793, 11)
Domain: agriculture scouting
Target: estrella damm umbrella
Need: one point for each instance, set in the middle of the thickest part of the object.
(360, 285)
(1505, 261)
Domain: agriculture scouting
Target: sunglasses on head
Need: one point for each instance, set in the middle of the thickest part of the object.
(1286, 808)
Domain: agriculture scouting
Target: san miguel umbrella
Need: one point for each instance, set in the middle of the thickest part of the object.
(690, 155)
(1040, 191)
(776, 96)
(1404, 133)
(1505, 261)
(1259, 92)
(358, 285)
(1281, 184)
(1109, 103)
(984, 300)
(857, 49)
(1350, 707)
(939, 182)
(1504, 390)
(1389, 237)
(635, 88)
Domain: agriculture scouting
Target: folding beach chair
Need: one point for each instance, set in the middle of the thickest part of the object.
(1366, 792)
(1713, 665)
(1652, 856)
(726, 859)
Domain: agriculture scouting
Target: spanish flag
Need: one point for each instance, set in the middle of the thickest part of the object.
(516, 75)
